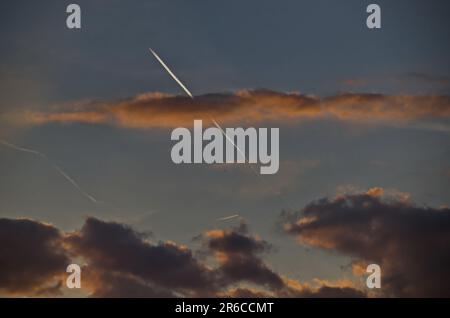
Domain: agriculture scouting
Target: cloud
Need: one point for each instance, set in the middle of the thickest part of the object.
(117, 261)
(115, 247)
(410, 243)
(113, 284)
(332, 292)
(238, 256)
(32, 259)
(294, 289)
(157, 110)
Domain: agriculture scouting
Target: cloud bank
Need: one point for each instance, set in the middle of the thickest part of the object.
(157, 110)
(32, 257)
(117, 261)
(411, 243)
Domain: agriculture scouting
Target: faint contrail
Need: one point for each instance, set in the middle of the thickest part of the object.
(58, 169)
(171, 74)
(235, 146)
(229, 217)
(68, 178)
(190, 95)
(7, 144)
(213, 120)
(229, 139)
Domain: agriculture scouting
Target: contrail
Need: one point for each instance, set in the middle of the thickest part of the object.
(190, 95)
(7, 144)
(229, 139)
(213, 120)
(171, 74)
(235, 146)
(68, 178)
(58, 169)
(229, 217)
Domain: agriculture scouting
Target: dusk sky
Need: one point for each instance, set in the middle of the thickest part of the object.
(86, 117)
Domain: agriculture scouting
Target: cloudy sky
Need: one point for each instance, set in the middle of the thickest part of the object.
(86, 174)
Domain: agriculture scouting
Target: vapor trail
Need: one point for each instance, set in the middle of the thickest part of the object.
(213, 120)
(9, 145)
(235, 146)
(228, 217)
(68, 178)
(229, 139)
(190, 95)
(58, 169)
(171, 74)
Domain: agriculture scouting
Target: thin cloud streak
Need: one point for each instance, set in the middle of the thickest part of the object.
(10, 145)
(213, 120)
(171, 73)
(229, 139)
(226, 218)
(190, 95)
(57, 168)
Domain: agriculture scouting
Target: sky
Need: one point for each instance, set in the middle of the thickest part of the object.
(85, 122)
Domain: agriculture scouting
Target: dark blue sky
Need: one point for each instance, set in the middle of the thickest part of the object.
(314, 47)
(307, 46)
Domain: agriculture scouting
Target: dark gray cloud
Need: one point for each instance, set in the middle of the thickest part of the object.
(32, 258)
(109, 246)
(112, 284)
(121, 262)
(238, 254)
(411, 243)
(328, 292)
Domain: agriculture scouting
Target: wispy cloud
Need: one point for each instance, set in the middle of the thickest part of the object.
(157, 110)
(64, 174)
(171, 73)
(227, 218)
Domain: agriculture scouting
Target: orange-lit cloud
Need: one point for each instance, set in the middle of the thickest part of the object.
(411, 243)
(32, 258)
(117, 261)
(157, 110)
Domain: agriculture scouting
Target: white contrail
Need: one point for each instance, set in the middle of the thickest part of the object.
(171, 74)
(213, 120)
(235, 146)
(7, 144)
(68, 178)
(229, 139)
(58, 169)
(190, 95)
(229, 217)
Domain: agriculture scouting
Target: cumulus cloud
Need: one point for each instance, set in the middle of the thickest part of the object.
(157, 110)
(32, 258)
(115, 247)
(113, 284)
(411, 243)
(117, 261)
(238, 256)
